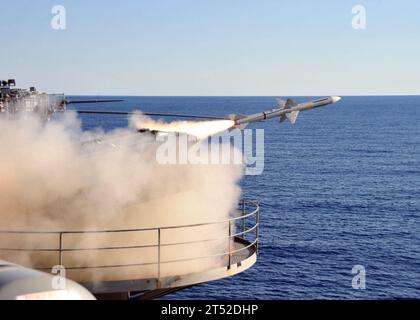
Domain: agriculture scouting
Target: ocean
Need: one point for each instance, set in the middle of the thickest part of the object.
(340, 188)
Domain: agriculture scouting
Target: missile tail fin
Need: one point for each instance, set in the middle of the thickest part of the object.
(241, 126)
(236, 117)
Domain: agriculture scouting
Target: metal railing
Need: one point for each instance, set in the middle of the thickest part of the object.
(243, 229)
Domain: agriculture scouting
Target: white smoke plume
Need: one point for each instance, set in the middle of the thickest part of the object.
(199, 129)
(51, 181)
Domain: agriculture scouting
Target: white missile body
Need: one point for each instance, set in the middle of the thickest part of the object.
(288, 110)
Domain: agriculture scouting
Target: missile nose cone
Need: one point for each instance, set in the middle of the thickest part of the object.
(335, 99)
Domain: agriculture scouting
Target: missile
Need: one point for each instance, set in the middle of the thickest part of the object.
(288, 110)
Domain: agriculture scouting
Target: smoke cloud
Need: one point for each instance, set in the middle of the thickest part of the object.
(56, 177)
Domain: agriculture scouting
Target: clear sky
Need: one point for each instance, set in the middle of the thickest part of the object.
(213, 47)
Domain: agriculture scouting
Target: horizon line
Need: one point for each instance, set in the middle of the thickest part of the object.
(245, 96)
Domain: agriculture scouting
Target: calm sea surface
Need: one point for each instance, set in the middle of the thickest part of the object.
(340, 188)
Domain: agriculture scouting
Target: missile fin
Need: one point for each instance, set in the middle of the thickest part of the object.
(290, 103)
(281, 103)
(283, 118)
(241, 126)
(292, 116)
(286, 104)
(235, 117)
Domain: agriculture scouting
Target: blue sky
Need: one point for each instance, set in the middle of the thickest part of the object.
(213, 47)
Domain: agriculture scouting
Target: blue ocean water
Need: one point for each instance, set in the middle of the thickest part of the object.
(340, 188)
